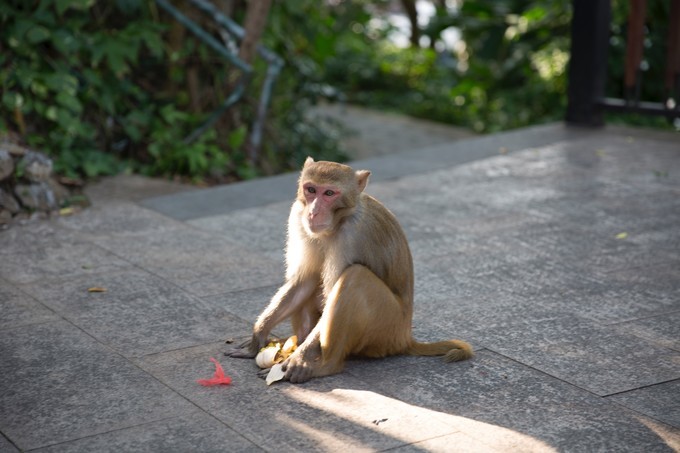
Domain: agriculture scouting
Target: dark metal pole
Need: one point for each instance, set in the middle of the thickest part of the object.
(588, 62)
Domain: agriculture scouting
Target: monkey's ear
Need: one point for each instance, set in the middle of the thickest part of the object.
(309, 161)
(362, 179)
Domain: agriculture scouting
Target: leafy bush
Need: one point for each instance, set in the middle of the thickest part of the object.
(509, 71)
(65, 79)
(103, 86)
(109, 85)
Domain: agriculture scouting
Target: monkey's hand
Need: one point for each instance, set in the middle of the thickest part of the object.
(246, 350)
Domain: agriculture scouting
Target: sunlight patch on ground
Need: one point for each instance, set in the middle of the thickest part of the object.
(672, 438)
(407, 424)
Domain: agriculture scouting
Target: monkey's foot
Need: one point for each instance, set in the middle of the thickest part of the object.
(297, 371)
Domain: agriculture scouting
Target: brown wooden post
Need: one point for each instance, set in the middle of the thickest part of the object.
(672, 78)
(634, 48)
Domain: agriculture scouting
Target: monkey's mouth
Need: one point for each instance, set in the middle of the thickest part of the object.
(316, 228)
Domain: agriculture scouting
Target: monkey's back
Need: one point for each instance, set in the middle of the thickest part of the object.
(381, 246)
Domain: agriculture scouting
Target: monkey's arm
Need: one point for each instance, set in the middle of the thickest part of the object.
(286, 301)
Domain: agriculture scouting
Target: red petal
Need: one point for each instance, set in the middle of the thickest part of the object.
(218, 379)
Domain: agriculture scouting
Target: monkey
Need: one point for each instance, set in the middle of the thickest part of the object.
(349, 280)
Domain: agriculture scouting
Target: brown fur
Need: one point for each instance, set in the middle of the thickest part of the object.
(349, 279)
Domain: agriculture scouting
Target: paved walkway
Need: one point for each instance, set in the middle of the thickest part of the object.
(556, 252)
(370, 133)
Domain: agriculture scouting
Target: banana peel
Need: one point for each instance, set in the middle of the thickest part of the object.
(272, 355)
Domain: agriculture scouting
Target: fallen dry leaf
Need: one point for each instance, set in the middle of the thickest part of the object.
(96, 289)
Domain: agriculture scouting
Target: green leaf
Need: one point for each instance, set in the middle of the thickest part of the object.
(65, 42)
(237, 137)
(37, 34)
(171, 115)
(63, 5)
(69, 101)
(60, 81)
(12, 100)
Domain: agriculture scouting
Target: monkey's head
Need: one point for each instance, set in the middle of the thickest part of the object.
(329, 193)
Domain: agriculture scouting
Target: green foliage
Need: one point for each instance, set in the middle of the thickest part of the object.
(654, 63)
(509, 71)
(63, 77)
(102, 86)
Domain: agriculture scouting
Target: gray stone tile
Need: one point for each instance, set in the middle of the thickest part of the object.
(468, 278)
(661, 279)
(611, 302)
(6, 446)
(57, 260)
(200, 262)
(261, 229)
(138, 314)
(246, 304)
(661, 402)
(19, 309)
(500, 403)
(57, 384)
(501, 290)
(332, 413)
(588, 355)
(477, 317)
(225, 198)
(663, 330)
(132, 187)
(190, 431)
(464, 443)
(31, 237)
(118, 219)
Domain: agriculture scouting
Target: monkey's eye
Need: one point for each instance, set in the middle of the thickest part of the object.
(311, 189)
(329, 193)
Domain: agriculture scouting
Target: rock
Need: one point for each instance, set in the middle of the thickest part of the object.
(27, 188)
(5, 216)
(14, 149)
(61, 193)
(38, 196)
(37, 166)
(6, 164)
(8, 202)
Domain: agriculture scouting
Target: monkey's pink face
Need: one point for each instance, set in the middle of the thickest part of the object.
(321, 203)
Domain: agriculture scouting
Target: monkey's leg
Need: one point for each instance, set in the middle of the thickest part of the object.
(304, 320)
(362, 316)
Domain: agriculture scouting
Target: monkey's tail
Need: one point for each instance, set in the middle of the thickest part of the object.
(452, 350)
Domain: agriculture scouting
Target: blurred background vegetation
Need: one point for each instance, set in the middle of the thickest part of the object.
(110, 86)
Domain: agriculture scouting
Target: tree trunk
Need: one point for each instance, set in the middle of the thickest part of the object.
(255, 21)
(412, 13)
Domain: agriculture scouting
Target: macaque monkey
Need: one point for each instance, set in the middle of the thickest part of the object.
(349, 280)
